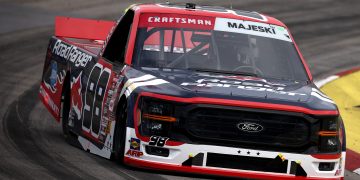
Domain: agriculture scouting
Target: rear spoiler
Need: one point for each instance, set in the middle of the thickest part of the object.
(82, 28)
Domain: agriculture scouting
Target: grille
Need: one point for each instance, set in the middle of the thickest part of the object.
(247, 163)
(221, 125)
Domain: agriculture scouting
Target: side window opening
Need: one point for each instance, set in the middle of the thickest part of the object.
(117, 45)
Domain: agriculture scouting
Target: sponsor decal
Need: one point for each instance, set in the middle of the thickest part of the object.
(135, 144)
(134, 148)
(249, 127)
(49, 101)
(55, 78)
(134, 153)
(71, 53)
(53, 75)
(252, 86)
(270, 30)
(339, 170)
(108, 127)
(241, 78)
(252, 28)
(117, 86)
(184, 20)
(176, 20)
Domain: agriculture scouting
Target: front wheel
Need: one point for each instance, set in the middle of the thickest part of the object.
(120, 133)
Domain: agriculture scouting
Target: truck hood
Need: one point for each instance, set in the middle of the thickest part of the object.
(190, 83)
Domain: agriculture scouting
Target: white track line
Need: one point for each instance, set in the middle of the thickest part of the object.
(322, 82)
(357, 171)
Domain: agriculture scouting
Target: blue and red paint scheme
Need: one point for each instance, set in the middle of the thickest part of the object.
(78, 62)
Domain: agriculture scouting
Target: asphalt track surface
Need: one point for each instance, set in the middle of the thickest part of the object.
(31, 142)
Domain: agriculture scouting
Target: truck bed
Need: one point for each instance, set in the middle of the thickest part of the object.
(92, 46)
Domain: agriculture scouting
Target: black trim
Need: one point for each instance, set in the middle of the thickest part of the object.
(296, 169)
(276, 165)
(192, 124)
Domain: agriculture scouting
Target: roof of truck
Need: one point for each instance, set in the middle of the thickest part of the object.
(210, 11)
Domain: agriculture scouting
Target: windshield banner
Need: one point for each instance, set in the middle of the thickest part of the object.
(252, 28)
(212, 23)
(177, 21)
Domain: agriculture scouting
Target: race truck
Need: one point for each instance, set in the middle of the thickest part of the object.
(193, 89)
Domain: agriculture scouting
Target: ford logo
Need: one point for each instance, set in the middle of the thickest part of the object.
(250, 127)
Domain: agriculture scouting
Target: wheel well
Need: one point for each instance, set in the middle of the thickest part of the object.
(65, 94)
(120, 130)
(118, 108)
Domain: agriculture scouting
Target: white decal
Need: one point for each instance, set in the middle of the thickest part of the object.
(141, 78)
(153, 19)
(240, 85)
(87, 145)
(71, 53)
(321, 96)
(93, 94)
(154, 82)
(252, 28)
(145, 80)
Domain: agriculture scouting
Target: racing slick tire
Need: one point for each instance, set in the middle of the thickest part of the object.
(120, 132)
(65, 107)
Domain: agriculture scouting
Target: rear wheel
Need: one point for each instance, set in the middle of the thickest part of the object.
(65, 107)
(120, 132)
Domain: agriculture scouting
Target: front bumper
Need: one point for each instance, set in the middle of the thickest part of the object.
(214, 171)
(179, 155)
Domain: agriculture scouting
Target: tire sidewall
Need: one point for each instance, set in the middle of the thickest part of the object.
(120, 134)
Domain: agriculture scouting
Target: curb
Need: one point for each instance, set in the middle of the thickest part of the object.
(352, 162)
(322, 82)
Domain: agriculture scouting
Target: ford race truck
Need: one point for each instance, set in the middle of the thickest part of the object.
(194, 89)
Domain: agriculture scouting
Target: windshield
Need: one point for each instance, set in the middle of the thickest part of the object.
(217, 45)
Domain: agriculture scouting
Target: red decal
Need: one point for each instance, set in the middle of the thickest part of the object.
(76, 99)
(177, 20)
(134, 153)
(49, 103)
(326, 156)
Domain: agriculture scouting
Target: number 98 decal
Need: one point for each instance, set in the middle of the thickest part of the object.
(158, 141)
(94, 96)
